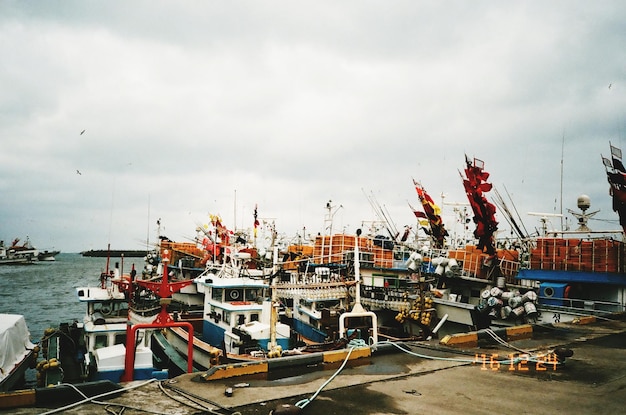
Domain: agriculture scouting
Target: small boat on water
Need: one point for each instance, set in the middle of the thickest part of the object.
(47, 255)
(17, 353)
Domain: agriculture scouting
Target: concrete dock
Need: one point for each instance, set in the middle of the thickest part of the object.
(425, 377)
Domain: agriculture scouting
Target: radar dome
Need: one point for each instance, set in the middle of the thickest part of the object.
(584, 202)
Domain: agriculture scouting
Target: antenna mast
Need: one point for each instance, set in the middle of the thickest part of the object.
(561, 198)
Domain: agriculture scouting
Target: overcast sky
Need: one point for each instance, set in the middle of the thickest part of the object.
(191, 108)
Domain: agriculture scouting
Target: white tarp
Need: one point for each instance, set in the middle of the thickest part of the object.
(14, 342)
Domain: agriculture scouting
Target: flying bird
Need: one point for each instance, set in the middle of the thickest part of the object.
(610, 85)
(78, 172)
(82, 132)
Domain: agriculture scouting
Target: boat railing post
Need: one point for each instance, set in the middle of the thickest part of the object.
(129, 360)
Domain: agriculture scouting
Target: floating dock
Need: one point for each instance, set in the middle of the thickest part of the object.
(115, 253)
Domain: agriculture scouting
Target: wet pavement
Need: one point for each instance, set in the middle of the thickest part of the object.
(424, 378)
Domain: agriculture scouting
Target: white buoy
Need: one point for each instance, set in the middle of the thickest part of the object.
(496, 292)
(436, 261)
(529, 296)
(530, 309)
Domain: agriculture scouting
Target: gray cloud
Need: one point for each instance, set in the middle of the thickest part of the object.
(191, 108)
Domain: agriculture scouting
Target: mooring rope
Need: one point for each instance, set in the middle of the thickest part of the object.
(93, 399)
(353, 344)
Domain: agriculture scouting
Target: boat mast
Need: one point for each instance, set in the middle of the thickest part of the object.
(561, 198)
(235, 210)
(328, 224)
(148, 230)
(274, 300)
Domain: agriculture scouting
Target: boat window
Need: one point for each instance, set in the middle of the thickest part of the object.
(120, 338)
(216, 294)
(241, 319)
(332, 303)
(105, 308)
(101, 341)
(252, 294)
(254, 317)
(226, 317)
(391, 282)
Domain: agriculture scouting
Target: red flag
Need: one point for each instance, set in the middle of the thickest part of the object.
(256, 220)
(419, 214)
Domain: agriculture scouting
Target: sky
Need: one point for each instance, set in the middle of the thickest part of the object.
(115, 114)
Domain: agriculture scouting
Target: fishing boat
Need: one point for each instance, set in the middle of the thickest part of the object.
(482, 285)
(239, 317)
(577, 274)
(417, 288)
(17, 353)
(242, 296)
(94, 349)
(18, 254)
(317, 284)
(46, 255)
(313, 302)
(558, 276)
(583, 272)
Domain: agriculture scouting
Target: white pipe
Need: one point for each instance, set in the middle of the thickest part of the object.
(438, 326)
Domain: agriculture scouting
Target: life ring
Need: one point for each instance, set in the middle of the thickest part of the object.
(234, 294)
(566, 292)
(106, 309)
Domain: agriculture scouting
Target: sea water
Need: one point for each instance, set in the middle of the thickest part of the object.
(45, 292)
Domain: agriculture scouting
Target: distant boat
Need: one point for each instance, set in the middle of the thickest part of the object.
(17, 254)
(47, 255)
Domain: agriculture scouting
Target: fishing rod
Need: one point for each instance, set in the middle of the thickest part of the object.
(380, 214)
(515, 208)
(498, 200)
